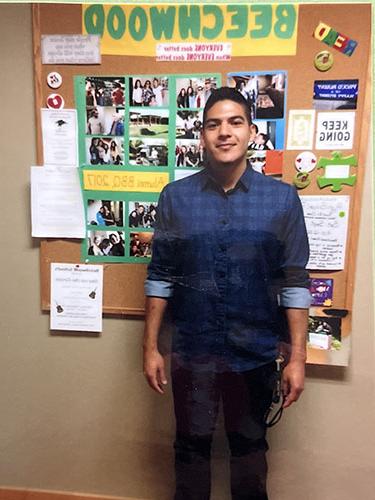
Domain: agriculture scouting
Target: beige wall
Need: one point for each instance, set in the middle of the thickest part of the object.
(75, 412)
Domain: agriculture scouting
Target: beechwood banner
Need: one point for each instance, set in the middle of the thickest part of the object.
(247, 29)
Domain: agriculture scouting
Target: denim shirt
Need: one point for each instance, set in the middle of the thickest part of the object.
(223, 259)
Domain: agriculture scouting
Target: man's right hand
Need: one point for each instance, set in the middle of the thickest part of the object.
(154, 370)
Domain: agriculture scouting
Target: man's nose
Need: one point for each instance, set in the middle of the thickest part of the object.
(224, 129)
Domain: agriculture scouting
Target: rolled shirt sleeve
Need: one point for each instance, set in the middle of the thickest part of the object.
(293, 277)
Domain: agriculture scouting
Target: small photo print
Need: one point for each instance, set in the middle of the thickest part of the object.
(263, 136)
(105, 213)
(148, 152)
(189, 153)
(140, 244)
(104, 151)
(105, 91)
(194, 92)
(142, 213)
(106, 243)
(324, 333)
(330, 95)
(149, 91)
(321, 290)
(267, 162)
(265, 93)
(189, 124)
(149, 123)
(104, 121)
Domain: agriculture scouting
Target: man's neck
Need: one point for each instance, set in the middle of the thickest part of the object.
(227, 176)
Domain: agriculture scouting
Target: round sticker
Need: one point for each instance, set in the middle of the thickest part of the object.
(55, 101)
(323, 61)
(301, 180)
(305, 162)
(54, 80)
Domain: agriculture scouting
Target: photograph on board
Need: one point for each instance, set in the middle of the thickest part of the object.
(104, 151)
(104, 121)
(105, 213)
(324, 333)
(150, 122)
(106, 243)
(149, 91)
(265, 92)
(193, 92)
(263, 135)
(189, 153)
(142, 213)
(140, 244)
(148, 152)
(189, 124)
(267, 162)
(105, 91)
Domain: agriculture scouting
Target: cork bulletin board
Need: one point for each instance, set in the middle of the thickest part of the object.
(123, 281)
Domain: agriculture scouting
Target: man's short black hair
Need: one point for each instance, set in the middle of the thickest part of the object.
(227, 94)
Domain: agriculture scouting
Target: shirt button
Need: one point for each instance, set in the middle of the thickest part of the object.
(224, 222)
(222, 247)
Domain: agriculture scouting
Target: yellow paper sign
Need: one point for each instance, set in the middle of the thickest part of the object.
(251, 30)
(105, 180)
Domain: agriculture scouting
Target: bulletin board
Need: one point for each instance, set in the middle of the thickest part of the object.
(123, 282)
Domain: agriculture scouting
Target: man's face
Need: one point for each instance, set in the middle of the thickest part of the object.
(226, 134)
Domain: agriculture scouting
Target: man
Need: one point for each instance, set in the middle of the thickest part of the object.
(94, 124)
(227, 242)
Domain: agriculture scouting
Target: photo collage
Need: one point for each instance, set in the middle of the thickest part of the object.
(136, 124)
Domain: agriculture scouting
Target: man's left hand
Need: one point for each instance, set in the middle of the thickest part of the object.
(293, 381)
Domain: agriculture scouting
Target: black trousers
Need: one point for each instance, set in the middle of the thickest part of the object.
(246, 396)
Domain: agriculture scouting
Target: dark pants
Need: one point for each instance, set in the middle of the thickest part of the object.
(246, 396)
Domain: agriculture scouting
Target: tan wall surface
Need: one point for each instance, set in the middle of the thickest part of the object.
(76, 414)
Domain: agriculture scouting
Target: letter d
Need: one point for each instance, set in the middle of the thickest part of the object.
(321, 31)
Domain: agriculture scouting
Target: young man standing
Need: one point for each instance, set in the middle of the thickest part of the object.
(229, 244)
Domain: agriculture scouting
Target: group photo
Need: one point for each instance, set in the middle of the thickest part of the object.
(104, 121)
(106, 243)
(104, 151)
(105, 91)
(140, 244)
(105, 213)
(142, 214)
(149, 91)
(193, 92)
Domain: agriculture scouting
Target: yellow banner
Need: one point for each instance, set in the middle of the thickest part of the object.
(105, 180)
(251, 29)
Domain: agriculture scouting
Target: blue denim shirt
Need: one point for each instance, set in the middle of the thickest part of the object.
(223, 259)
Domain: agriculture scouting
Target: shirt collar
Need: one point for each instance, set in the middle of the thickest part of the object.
(243, 183)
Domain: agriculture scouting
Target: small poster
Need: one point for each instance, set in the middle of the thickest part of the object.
(335, 130)
(76, 297)
(59, 129)
(335, 94)
(301, 129)
(326, 220)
